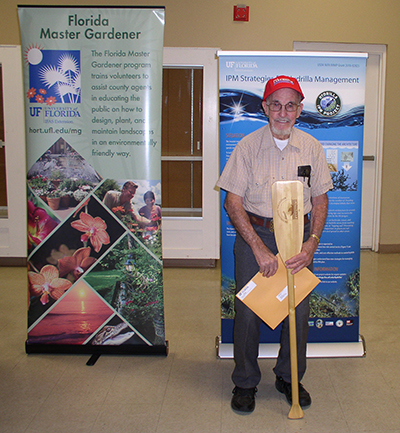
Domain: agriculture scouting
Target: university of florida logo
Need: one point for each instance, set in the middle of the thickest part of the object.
(54, 76)
(328, 103)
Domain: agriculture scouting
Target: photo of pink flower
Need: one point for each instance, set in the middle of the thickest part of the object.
(57, 254)
(94, 229)
(76, 264)
(72, 248)
(47, 283)
(40, 224)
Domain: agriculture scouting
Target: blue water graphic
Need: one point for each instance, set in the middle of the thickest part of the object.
(242, 105)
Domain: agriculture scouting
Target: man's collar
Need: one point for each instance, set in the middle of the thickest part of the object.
(270, 142)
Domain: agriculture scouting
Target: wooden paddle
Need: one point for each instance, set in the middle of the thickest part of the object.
(288, 213)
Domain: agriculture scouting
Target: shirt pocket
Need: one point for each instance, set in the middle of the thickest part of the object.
(307, 184)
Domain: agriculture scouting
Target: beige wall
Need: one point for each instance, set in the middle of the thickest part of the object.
(274, 26)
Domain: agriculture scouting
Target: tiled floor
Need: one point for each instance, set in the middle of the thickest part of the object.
(190, 389)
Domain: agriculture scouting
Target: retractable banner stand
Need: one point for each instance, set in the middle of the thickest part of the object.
(93, 82)
(334, 88)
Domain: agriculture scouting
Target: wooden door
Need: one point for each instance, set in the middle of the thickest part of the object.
(182, 156)
(190, 156)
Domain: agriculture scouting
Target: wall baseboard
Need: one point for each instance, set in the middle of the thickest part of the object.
(189, 263)
(389, 248)
(183, 263)
(13, 261)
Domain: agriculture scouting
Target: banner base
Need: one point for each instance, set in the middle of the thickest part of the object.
(314, 350)
(97, 350)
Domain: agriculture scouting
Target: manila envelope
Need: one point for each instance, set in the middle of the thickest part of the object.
(268, 297)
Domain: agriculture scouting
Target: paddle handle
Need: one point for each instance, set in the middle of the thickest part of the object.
(296, 411)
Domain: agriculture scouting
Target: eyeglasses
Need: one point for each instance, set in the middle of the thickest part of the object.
(277, 106)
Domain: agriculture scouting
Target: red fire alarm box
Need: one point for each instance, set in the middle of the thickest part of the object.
(240, 13)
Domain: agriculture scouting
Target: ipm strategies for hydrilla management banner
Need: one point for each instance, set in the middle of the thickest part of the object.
(333, 112)
(92, 79)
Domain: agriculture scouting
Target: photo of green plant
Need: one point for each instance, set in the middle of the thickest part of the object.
(344, 302)
(228, 297)
(129, 278)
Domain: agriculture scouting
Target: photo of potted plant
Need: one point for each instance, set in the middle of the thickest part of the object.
(53, 199)
(82, 191)
(65, 197)
(40, 185)
(61, 168)
(56, 177)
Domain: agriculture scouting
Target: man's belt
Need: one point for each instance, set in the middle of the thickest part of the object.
(267, 222)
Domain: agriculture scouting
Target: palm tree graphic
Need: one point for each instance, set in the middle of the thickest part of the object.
(66, 77)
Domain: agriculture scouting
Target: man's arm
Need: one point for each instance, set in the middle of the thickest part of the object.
(266, 260)
(143, 221)
(318, 218)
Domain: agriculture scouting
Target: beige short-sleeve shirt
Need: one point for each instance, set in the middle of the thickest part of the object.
(256, 163)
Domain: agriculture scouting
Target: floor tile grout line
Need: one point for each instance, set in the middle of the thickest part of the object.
(107, 393)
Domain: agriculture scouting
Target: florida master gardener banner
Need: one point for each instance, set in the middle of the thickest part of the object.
(92, 80)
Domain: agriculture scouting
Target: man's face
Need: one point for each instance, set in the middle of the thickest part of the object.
(282, 122)
(127, 194)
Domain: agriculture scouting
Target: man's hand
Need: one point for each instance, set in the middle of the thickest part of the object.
(304, 258)
(267, 262)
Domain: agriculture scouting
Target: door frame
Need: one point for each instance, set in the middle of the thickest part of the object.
(196, 239)
(13, 235)
(380, 51)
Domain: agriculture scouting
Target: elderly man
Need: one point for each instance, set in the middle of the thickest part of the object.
(277, 151)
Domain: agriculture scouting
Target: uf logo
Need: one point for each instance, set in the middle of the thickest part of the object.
(230, 64)
(35, 111)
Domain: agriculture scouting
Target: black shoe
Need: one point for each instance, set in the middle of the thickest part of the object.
(286, 388)
(243, 399)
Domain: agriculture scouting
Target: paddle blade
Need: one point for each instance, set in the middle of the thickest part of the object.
(296, 412)
(288, 214)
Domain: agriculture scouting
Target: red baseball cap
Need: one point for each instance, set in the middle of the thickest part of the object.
(282, 82)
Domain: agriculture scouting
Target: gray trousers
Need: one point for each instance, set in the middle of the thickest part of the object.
(246, 334)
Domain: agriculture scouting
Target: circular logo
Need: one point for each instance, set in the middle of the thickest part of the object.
(319, 323)
(328, 103)
(339, 323)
